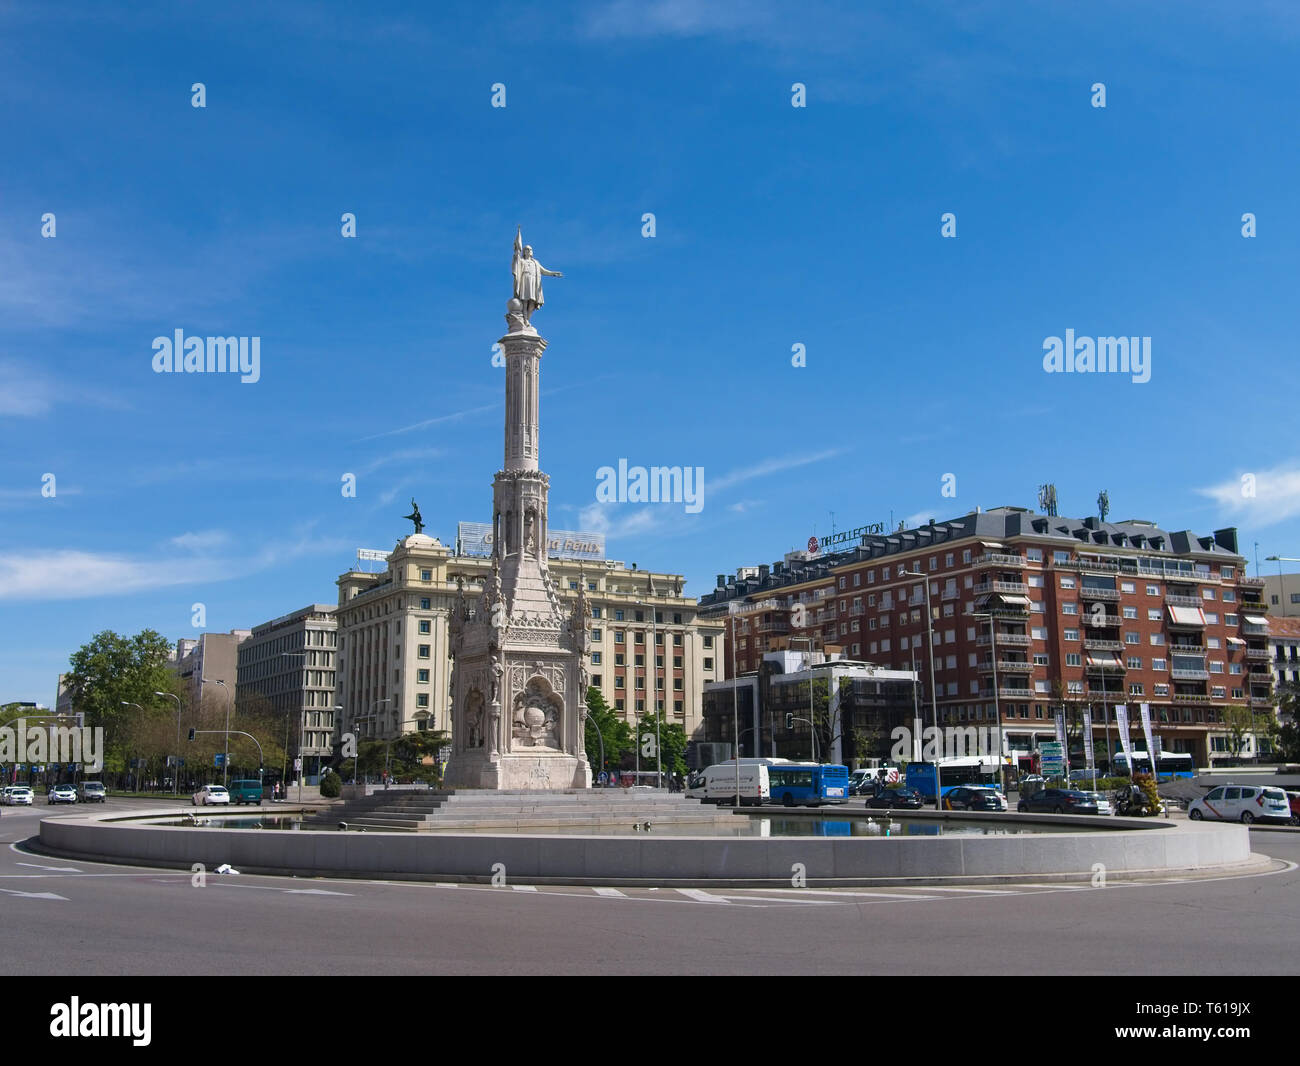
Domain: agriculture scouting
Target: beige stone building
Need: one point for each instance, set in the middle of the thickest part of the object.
(394, 663)
(208, 658)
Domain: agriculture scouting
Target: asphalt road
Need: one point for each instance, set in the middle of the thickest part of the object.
(64, 917)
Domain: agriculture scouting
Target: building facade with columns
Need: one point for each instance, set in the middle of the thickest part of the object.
(394, 661)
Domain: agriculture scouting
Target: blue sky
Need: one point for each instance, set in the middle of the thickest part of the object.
(775, 226)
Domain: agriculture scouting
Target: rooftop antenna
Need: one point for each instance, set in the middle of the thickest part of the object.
(1047, 499)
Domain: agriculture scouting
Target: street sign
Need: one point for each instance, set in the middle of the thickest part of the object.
(1052, 757)
(603, 777)
(218, 759)
(444, 753)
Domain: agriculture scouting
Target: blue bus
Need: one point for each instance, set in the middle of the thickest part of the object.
(807, 784)
(974, 770)
(1168, 764)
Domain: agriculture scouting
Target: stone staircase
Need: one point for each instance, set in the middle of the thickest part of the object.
(480, 809)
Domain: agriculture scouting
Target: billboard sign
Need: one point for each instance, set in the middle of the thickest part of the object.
(475, 538)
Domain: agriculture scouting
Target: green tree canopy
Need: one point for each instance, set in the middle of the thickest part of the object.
(610, 726)
(112, 669)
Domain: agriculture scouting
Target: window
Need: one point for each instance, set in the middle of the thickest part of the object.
(1135, 688)
(639, 660)
(1238, 694)
(1131, 612)
(884, 645)
(677, 662)
(871, 577)
(1228, 619)
(872, 623)
(422, 699)
(618, 614)
(595, 658)
(619, 635)
(1071, 634)
(1161, 690)
(708, 642)
(843, 582)
(1153, 614)
(1212, 642)
(1133, 663)
(1034, 555)
(1037, 607)
(1041, 659)
(903, 644)
(424, 651)
(1060, 557)
(1132, 638)
(934, 562)
(1217, 691)
(1160, 665)
(1067, 582)
(425, 627)
(947, 559)
(1069, 608)
(1075, 688)
(1153, 590)
(426, 575)
(422, 676)
(1216, 667)
(1234, 668)
(619, 658)
(573, 584)
(1127, 586)
(857, 579)
(618, 681)
(1073, 658)
(1042, 686)
(1035, 581)
(1207, 594)
(677, 684)
(1157, 639)
(596, 680)
(595, 612)
(1229, 596)
(424, 603)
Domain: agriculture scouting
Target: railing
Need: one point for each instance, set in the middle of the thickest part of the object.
(1182, 601)
(1106, 668)
(1248, 607)
(1110, 595)
(1081, 564)
(1190, 697)
(856, 611)
(951, 594)
(1186, 649)
(1000, 559)
(1014, 694)
(1254, 631)
(1103, 645)
(1261, 701)
(772, 627)
(1190, 675)
(1012, 640)
(1104, 621)
(1251, 582)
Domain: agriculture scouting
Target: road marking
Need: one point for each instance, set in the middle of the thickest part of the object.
(313, 892)
(33, 895)
(57, 869)
(610, 892)
(524, 888)
(700, 896)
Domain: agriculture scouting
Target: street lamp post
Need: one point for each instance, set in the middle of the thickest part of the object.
(997, 707)
(934, 699)
(176, 777)
(735, 704)
(125, 703)
(230, 704)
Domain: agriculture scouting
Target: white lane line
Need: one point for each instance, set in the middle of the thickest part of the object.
(700, 896)
(524, 888)
(792, 900)
(57, 869)
(222, 883)
(33, 895)
(848, 894)
(613, 892)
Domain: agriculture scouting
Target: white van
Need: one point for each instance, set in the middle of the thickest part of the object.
(720, 784)
(1242, 803)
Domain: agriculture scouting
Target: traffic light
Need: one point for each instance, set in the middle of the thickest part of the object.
(191, 734)
(789, 719)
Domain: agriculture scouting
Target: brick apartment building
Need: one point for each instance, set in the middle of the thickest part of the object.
(1111, 612)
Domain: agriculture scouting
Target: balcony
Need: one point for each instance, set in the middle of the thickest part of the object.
(1010, 640)
(1014, 666)
(1182, 601)
(951, 594)
(1260, 655)
(1248, 630)
(1190, 675)
(1189, 697)
(1102, 621)
(1104, 645)
(1259, 703)
(856, 611)
(1087, 564)
(772, 627)
(1105, 668)
(1109, 595)
(1186, 649)
(1249, 607)
(1000, 559)
(1252, 582)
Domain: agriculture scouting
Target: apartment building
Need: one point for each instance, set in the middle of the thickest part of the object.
(1053, 608)
(209, 657)
(289, 664)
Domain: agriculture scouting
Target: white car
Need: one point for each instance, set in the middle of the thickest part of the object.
(210, 794)
(62, 794)
(18, 796)
(1103, 804)
(1242, 803)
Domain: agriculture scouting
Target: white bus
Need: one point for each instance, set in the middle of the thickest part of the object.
(1168, 764)
(720, 782)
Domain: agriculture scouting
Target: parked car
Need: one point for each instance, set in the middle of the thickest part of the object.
(246, 791)
(1293, 798)
(1242, 803)
(62, 794)
(18, 796)
(902, 799)
(1059, 801)
(92, 792)
(210, 794)
(974, 798)
(1103, 804)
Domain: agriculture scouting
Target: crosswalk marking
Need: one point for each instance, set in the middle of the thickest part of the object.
(611, 892)
(524, 888)
(700, 896)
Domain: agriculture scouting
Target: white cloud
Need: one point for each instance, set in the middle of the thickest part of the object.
(200, 542)
(1263, 497)
(768, 466)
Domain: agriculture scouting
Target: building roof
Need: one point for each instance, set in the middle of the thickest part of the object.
(1284, 628)
(993, 527)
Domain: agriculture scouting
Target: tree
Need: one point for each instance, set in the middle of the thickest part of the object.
(611, 727)
(1242, 722)
(112, 670)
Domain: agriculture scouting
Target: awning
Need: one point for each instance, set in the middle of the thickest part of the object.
(1104, 662)
(1255, 619)
(1235, 640)
(992, 544)
(1187, 616)
(1018, 601)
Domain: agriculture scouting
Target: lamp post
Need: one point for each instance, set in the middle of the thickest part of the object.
(735, 704)
(934, 699)
(176, 778)
(997, 707)
(125, 703)
(230, 704)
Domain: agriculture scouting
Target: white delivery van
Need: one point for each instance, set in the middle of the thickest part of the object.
(720, 784)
